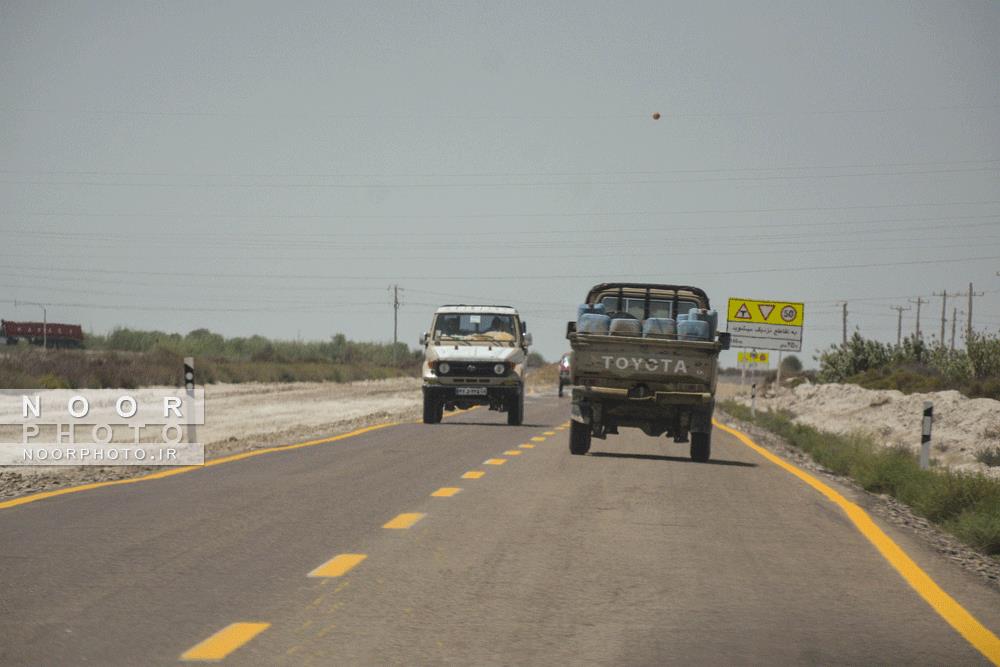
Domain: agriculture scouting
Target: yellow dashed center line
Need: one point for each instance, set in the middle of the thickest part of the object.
(473, 474)
(446, 492)
(538, 439)
(495, 462)
(224, 642)
(526, 446)
(338, 565)
(513, 452)
(404, 521)
(549, 433)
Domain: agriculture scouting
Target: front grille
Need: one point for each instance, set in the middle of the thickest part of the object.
(473, 369)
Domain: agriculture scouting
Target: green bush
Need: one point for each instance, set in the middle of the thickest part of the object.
(915, 366)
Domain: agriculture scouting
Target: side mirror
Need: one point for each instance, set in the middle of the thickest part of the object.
(724, 339)
(423, 338)
(526, 340)
(524, 327)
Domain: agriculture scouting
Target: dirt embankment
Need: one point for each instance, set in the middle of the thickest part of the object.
(240, 417)
(963, 427)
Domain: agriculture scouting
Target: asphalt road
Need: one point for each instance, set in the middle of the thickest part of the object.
(629, 556)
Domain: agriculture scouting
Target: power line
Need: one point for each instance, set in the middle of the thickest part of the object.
(356, 277)
(484, 174)
(563, 116)
(465, 216)
(486, 184)
(253, 238)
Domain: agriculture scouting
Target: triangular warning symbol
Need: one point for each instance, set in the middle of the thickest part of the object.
(765, 309)
(743, 313)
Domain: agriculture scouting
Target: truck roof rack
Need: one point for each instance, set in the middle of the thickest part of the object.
(604, 287)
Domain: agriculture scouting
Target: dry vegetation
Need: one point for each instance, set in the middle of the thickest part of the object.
(128, 359)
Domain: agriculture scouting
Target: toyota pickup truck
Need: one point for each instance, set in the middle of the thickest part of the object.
(475, 355)
(643, 374)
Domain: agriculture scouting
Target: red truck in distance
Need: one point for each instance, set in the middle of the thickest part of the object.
(55, 335)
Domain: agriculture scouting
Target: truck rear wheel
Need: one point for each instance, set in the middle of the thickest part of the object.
(701, 447)
(515, 413)
(433, 410)
(579, 438)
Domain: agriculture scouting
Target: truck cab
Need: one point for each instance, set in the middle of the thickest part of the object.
(475, 355)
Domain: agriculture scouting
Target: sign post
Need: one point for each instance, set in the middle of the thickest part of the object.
(192, 434)
(925, 435)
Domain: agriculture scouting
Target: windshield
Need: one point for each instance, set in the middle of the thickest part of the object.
(493, 327)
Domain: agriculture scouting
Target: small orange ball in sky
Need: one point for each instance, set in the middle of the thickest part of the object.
(656, 115)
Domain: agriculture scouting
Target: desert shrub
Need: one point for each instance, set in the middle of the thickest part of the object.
(791, 365)
(989, 456)
(915, 366)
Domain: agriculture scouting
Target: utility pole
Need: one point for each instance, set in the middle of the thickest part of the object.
(395, 319)
(954, 318)
(968, 328)
(920, 300)
(844, 326)
(944, 311)
(899, 322)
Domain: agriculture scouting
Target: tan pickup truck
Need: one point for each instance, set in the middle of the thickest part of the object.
(638, 362)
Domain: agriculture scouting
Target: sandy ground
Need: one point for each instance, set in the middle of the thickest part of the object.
(962, 426)
(241, 417)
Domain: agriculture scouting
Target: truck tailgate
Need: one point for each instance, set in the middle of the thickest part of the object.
(623, 361)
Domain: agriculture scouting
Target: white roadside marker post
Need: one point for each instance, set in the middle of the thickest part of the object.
(192, 434)
(925, 436)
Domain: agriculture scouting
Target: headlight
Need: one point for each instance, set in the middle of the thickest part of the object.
(500, 369)
(443, 368)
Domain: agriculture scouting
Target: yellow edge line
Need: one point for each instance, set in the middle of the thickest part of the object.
(946, 606)
(24, 500)
(224, 642)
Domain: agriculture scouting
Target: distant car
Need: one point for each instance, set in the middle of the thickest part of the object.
(563, 373)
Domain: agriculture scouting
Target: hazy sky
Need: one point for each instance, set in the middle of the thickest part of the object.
(273, 167)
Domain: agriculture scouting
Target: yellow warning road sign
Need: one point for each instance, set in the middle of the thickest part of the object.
(767, 325)
(766, 312)
(753, 357)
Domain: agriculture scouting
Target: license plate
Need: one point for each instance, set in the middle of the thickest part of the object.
(470, 391)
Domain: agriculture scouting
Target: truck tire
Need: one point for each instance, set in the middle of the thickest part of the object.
(433, 410)
(515, 413)
(701, 447)
(579, 438)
